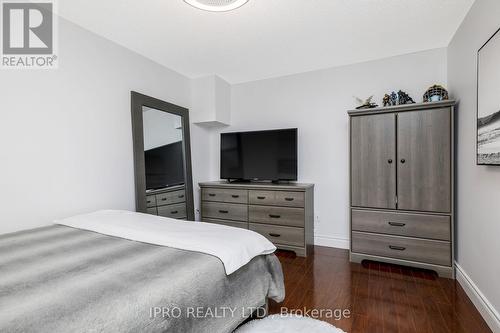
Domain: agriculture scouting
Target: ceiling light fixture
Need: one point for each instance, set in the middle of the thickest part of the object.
(216, 5)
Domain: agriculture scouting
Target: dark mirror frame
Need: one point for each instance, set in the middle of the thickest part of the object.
(138, 101)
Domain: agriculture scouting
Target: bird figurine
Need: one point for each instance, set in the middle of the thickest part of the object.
(365, 104)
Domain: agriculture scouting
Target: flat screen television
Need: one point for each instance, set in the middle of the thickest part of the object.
(164, 166)
(260, 155)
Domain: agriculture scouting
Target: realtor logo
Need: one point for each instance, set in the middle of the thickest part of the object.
(28, 31)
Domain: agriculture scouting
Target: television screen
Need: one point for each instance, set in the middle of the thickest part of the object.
(164, 166)
(260, 155)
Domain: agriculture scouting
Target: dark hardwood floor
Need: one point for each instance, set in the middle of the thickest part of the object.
(380, 297)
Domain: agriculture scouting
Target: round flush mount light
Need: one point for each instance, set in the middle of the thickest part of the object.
(216, 5)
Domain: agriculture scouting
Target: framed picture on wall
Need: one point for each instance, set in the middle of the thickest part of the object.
(488, 102)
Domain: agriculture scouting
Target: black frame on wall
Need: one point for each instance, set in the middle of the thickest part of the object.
(477, 99)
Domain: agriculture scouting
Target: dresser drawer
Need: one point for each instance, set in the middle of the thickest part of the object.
(150, 201)
(224, 211)
(276, 198)
(152, 211)
(277, 215)
(176, 211)
(169, 198)
(279, 234)
(242, 225)
(421, 250)
(261, 197)
(403, 224)
(224, 195)
(289, 199)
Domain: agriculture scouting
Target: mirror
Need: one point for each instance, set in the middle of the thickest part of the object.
(162, 158)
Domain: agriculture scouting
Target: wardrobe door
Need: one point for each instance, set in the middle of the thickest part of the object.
(424, 160)
(373, 161)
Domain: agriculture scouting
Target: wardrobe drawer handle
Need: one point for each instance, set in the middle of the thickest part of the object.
(289, 199)
(181, 196)
(223, 211)
(174, 212)
(211, 194)
(274, 216)
(274, 235)
(397, 248)
(397, 224)
(235, 196)
(261, 198)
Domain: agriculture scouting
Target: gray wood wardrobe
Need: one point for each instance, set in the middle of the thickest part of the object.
(402, 191)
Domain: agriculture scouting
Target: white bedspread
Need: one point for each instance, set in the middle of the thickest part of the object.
(235, 247)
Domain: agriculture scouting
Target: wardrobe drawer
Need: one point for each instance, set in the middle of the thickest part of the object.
(224, 195)
(279, 234)
(224, 211)
(277, 215)
(289, 199)
(150, 201)
(176, 211)
(421, 250)
(403, 224)
(152, 211)
(242, 225)
(261, 197)
(169, 198)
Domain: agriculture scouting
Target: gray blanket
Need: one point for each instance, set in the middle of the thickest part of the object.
(60, 279)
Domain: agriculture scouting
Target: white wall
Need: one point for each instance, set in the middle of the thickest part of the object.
(478, 190)
(316, 103)
(65, 134)
(160, 128)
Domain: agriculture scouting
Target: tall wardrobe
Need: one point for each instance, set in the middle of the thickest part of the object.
(401, 170)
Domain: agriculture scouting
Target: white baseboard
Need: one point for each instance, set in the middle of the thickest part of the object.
(331, 241)
(485, 308)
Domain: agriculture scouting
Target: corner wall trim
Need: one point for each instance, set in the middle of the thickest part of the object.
(485, 308)
(338, 242)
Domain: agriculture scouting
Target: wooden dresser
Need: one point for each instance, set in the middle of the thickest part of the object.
(167, 202)
(283, 213)
(401, 165)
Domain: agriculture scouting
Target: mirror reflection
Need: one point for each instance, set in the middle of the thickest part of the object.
(164, 163)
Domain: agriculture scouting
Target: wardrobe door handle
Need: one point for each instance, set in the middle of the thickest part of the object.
(403, 161)
(389, 161)
(274, 216)
(223, 211)
(261, 198)
(397, 224)
(235, 196)
(211, 194)
(397, 248)
(274, 235)
(289, 199)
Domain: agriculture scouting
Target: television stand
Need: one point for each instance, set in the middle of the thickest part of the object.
(283, 213)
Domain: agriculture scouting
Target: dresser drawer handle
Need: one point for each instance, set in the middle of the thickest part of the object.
(274, 235)
(211, 194)
(149, 201)
(235, 196)
(181, 196)
(261, 198)
(163, 199)
(223, 211)
(397, 248)
(397, 224)
(274, 216)
(174, 212)
(289, 199)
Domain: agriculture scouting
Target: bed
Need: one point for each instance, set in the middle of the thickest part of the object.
(63, 278)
